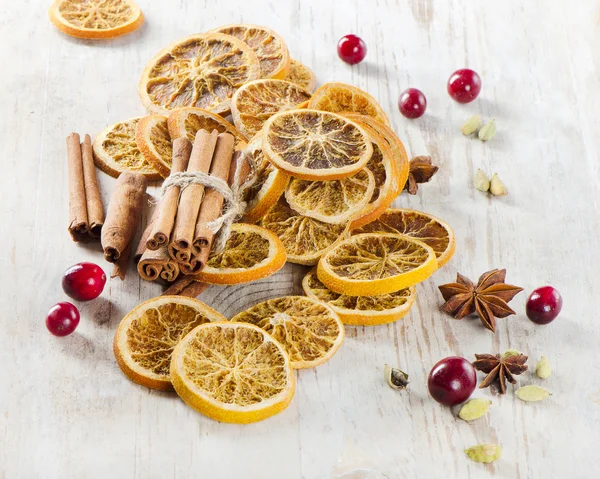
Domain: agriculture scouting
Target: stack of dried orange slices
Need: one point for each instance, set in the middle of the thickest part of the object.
(327, 167)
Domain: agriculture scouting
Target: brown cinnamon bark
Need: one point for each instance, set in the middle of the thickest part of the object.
(191, 197)
(167, 208)
(153, 264)
(186, 286)
(95, 211)
(141, 246)
(122, 219)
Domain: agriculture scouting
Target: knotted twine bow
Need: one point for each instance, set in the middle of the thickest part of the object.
(234, 205)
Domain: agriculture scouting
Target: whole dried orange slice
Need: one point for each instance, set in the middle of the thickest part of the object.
(257, 101)
(371, 264)
(268, 187)
(301, 75)
(116, 151)
(333, 201)
(251, 253)
(202, 71)
(147, 336)
(309, 330)
(233, 372)
(343, 98)
(390, 138)
(154, 141)
(305, 239)
(361, 310)
(316, 145)
(188, 121)
(422, 226)
(96, 19)
(269, 47)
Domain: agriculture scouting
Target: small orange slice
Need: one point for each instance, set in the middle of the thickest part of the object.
(269, 47)
(153, 140)
(343, 98)
(96, 19)
(302, 76)
(257, 101)
(202, 71)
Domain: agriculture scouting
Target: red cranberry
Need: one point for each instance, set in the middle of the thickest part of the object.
(412, 103)
(351, 49)
(84, 281)
(464, 85)
(452, 381)
(544, 305)
(62, 319)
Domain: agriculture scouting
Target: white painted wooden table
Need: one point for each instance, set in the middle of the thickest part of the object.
(66, 411)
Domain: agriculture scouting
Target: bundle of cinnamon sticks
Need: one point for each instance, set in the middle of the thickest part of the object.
(177, 241)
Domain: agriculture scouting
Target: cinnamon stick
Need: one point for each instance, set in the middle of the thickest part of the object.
(191, 197)
(186, 286)
(167, 208)
(78, 225)
(157, 264)
(122, 219)
(141, 246)
(95, 212)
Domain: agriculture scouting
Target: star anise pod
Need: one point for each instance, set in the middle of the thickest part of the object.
(489, 299)
(421, 171)
(499, 370)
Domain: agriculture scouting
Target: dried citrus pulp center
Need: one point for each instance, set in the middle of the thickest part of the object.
(268, 187)
(153, 140)
(333, 201)
(186, 122)
(201, 71)
(255, 102)
(116, 151)
(147, 336)
(96, 19)
(308, 330)
(301, 75)
(269, 47)
(427, 228)
(233, 372)
(342, 98)
(316, 145)
(305, 239)
(251, 253)
(361, 310)
(376, 263)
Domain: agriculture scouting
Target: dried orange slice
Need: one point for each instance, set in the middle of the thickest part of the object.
(371, 264)
(96, 19)
(153, 140)
(305, 239)
(269, 47)
(316, 145)
(255, 102)
(233, 372)
(147, 336)
(268, 187)
(391, 140)
(333, 201)
(361, 310)
(309, 330)
(251, 253)
(301, 75)
(422, 226)
(341, 98)
(188, 121)
(202, 71)
(116, 151)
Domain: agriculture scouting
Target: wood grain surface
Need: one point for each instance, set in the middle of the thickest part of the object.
(66, 411)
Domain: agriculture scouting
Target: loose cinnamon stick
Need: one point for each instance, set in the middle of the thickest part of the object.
(191, 197)
(78, 225)
(167, 208)
(122, 219)
(186, 286)
(95, 212)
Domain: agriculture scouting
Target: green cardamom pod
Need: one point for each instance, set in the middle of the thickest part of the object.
(497, 188)
(510, 352)
(482, 183)
(484, 453)
(474, 409)
(543, 370)
(471, 125)
(488, 131)
(532, 393)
